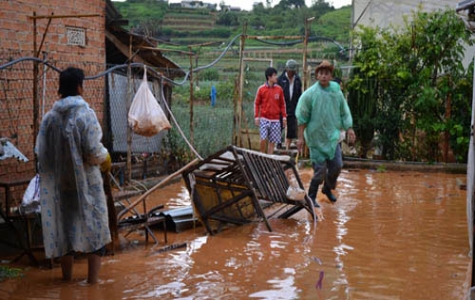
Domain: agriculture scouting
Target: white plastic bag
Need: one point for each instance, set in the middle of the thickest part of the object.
(342, 136)
(146, 117)
(31, 198)
(294, 192)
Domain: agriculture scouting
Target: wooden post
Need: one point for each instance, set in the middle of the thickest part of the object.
(237, 140)
(35, 91)
(111, 212)
(36, 53)
(128, 169)
(191, 99)
(304, 60)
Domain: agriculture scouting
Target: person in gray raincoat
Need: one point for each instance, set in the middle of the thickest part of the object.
(73, 202)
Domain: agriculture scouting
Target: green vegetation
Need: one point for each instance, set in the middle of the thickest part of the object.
(407, 84)
(140, 12)
(327, 24)
(411, 88)
(8, 272)
(157, 19)
(212, 131)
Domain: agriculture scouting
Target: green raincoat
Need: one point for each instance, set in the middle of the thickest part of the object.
(325, 112)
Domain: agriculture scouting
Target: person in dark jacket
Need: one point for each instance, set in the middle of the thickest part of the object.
(290, 82)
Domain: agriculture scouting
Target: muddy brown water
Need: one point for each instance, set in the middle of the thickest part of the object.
(390, 235)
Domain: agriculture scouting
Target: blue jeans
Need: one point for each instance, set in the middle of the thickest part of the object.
(327, 172)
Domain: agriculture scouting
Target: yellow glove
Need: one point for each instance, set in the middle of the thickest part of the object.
(106, 164)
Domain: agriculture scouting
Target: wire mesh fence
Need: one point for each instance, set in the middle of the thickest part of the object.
(200, 128)
(215, 123)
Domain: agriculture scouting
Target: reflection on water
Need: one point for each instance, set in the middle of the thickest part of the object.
(181, 199)
(389, 236)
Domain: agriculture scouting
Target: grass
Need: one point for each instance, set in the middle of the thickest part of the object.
(212, 128)
(8, 272)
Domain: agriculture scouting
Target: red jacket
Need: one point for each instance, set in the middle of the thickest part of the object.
(270, 103)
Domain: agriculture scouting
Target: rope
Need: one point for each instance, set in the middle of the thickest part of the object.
(178, 126)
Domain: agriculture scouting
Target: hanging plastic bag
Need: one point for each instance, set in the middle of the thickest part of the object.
(146, 117)
(31, 198)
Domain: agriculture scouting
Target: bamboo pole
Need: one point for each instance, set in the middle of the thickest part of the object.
(237, 140)
(305, 68)
(304, 60)
(191, 99)
(270, 60)
(36, 53)
(36, 104)
(204, 44)
(34, 17)
(244, 118)
(152, 189)
(166, 50)
(276, 37)
(128, 169)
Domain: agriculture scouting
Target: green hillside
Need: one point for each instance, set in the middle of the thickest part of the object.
(335, 25)
(188, 21)
(181, 25)
(141, 11)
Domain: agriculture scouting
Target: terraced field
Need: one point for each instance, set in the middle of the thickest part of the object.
(189, 21)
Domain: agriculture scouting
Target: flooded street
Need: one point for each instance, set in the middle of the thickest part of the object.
(390, 235)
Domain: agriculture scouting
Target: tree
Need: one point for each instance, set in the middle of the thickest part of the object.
(222, 5)
(290, 4)
(258, 8)
(228, 18)
(297, 3)
(409, 79)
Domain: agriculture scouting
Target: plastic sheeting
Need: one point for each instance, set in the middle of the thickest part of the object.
(8, 150)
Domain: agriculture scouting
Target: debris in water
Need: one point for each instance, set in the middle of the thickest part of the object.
(316, 259)
(320, 281)
(307, 239)
(170, 247)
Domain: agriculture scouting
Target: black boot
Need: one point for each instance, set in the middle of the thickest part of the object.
(328, 193)
(315, 203)
(312, 194)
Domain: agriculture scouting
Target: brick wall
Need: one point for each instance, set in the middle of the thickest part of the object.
(16, 82)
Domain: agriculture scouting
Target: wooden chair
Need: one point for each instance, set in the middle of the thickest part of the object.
(237, 186)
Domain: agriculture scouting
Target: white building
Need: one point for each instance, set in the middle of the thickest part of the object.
(382, 13)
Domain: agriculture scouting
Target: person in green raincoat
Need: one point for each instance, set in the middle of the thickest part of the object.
(322, 112)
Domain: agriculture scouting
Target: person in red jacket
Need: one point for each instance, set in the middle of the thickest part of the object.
(269, 106)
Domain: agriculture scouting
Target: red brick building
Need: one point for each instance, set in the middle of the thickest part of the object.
(80, 33)
(65, 40)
